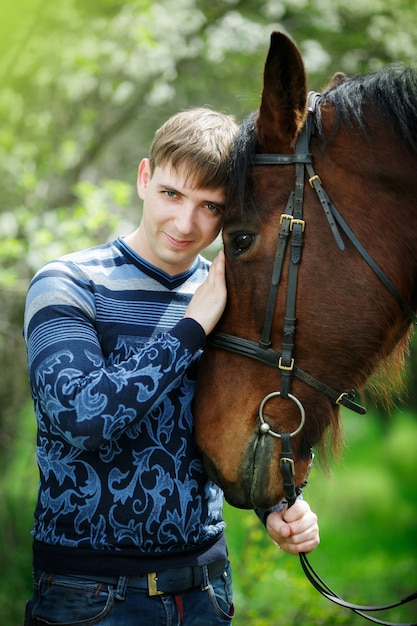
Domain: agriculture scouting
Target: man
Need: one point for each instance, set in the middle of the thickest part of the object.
(128, 529)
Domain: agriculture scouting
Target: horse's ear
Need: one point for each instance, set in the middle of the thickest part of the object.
(337, 79)
(284, 98)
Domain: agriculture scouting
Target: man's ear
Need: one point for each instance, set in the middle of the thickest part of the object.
(144, 176)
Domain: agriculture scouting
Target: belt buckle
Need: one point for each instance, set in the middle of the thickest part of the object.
(153, 585)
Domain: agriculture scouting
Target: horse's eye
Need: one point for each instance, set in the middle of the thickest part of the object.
(242, 242)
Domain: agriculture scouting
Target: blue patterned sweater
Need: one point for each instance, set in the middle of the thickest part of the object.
(113, 367)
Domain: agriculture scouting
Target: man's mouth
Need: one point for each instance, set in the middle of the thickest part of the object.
(178, 243)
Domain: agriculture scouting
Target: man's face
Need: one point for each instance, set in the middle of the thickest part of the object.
(178, 219)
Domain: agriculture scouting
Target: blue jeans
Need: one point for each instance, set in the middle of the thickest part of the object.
(72, 601)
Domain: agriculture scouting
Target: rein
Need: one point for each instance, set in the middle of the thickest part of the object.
(287, 470)
(291, 230)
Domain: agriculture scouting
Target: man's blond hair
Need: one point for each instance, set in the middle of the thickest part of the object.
(197, 141)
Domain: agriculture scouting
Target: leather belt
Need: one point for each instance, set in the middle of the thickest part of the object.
(167, 581)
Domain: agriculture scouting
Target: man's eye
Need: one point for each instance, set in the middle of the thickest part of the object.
(170, 194)
(214, 208)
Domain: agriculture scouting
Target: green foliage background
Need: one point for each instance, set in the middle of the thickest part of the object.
(83, 86)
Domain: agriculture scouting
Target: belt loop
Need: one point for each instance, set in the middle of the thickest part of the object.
(121, 587)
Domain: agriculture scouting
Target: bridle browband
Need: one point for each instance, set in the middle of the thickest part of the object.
(291, 230)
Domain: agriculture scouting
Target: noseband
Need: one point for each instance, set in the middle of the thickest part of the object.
(292, 227)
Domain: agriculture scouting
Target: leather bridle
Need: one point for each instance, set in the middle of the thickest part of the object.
(291, 229)
(291, 233)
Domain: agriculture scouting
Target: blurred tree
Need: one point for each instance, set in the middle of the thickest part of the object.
(84, 84)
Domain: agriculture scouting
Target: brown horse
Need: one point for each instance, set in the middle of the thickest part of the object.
(323, 206)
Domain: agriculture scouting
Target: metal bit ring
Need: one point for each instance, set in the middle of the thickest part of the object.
(266, 429)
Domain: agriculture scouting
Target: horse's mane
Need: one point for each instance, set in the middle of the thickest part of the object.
(390, 92)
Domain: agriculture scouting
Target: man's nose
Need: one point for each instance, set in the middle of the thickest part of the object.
(185, 219)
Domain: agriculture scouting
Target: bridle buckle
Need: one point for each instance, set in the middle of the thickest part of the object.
(344, 394)
(313, 179)
(285, 216)
(300, 222)
(285, 459)
(285, 368)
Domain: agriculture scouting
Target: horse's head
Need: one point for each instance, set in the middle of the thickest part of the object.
(327, 320)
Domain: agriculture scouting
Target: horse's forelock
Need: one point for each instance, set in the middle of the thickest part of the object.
(239, 188)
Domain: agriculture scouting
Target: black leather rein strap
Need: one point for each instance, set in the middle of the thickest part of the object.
(359, 609)
(288, 471)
